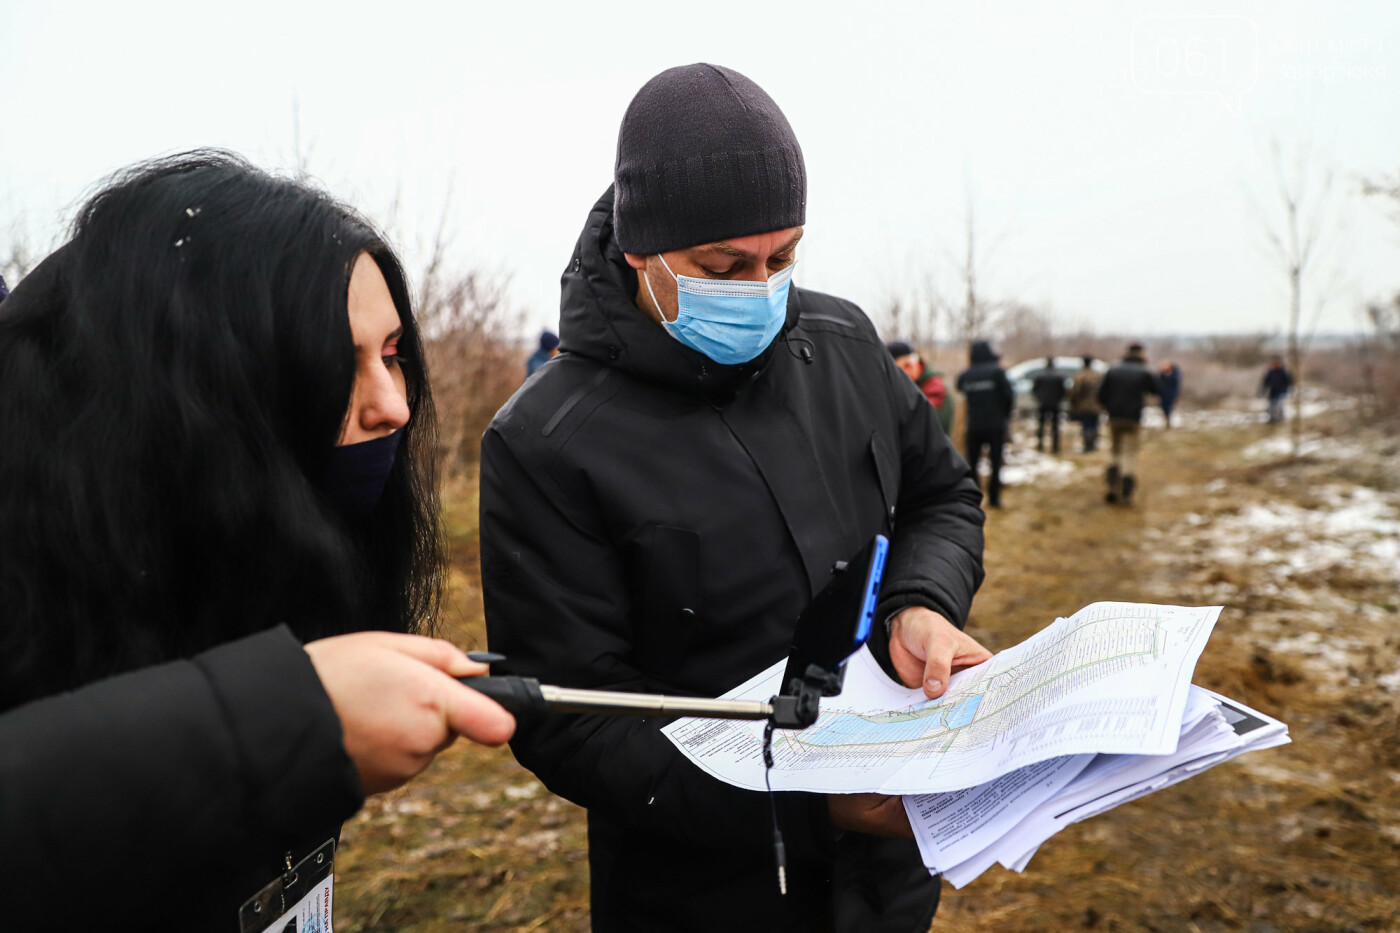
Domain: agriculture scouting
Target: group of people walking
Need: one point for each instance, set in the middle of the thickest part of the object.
(1121, 393)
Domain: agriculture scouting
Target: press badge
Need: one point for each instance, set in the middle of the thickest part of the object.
(297, 902)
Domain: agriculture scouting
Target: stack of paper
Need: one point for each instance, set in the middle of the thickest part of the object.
(1089, 712)
(963, 833)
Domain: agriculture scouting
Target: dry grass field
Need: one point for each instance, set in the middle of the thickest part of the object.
(1302, 552)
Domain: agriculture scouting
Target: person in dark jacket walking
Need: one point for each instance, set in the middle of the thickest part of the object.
(1123, 393)
(660, 502)
(548, 349)
(1169, 378)
(1049, 391)
(929, 380)
(1084, 403)
(990, 400)
(218, 445)
(1276, 385)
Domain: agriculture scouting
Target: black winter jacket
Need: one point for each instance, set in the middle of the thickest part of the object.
(1049, 390)
(990, 397)
(653, 521)
(169, 796)
(1276, 382)
(1125, 387)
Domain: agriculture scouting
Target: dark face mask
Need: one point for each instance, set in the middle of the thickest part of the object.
(356, 473)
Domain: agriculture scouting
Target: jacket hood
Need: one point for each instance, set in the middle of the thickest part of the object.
(599, 319)
(982, 352)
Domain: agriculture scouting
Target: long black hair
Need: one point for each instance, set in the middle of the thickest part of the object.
(172, 381)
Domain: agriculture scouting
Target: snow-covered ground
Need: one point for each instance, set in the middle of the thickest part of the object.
(1327, 448)
(1027, 465)
(1310, 556)
(1024, 464)
(1355, 526)
(1238, 415)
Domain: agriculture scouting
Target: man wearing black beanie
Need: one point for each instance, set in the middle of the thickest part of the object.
(659, 503)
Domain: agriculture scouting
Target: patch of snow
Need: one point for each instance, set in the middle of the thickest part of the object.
(1025, 465)
(1358, 528)
(1336, 654)
(1322, 448)
(524, 791)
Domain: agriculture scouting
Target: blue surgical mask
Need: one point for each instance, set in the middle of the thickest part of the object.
(731, 322)
(356, 474)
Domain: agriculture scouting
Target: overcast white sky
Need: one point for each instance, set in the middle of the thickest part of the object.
(1112, 174)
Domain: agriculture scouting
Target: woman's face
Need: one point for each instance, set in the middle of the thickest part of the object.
(378, 399)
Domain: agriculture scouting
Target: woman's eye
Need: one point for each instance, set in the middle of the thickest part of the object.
(391, 359)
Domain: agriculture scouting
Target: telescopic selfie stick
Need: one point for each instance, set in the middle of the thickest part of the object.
(830, 629)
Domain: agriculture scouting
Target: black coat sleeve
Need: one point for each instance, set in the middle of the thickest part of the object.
(171, 774)
(936, 551)
(1008, 394)
(557, 606)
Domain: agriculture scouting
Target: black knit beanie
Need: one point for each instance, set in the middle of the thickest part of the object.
(704, 155)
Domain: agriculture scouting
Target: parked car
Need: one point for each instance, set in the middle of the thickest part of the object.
(1023, 374)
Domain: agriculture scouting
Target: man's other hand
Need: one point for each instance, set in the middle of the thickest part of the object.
(875, 814)
(926, 649)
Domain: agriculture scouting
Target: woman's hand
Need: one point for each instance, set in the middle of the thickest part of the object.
(399, 704)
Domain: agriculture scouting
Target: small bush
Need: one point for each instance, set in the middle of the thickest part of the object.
(475, 360)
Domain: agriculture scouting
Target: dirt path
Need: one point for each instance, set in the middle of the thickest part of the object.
(1305, 838)
(1299, 838)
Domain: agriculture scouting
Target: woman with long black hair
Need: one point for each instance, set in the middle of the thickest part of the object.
(216, 443)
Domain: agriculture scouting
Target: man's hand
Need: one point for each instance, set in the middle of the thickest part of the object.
(927, 649)
(398, 703)
(875, 814)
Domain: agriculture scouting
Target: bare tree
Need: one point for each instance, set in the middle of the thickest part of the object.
(470, 328)
(1386, 187)
(1026, 331)
(1300, 220)
(18, 252)
(1385, 319)
(972, 315)
(1379, 357)
(301, 149)
(970, 310)
(914, 314)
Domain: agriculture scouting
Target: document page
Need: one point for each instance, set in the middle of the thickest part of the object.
(1229, 729)
(952, 827)
(1111, 678)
